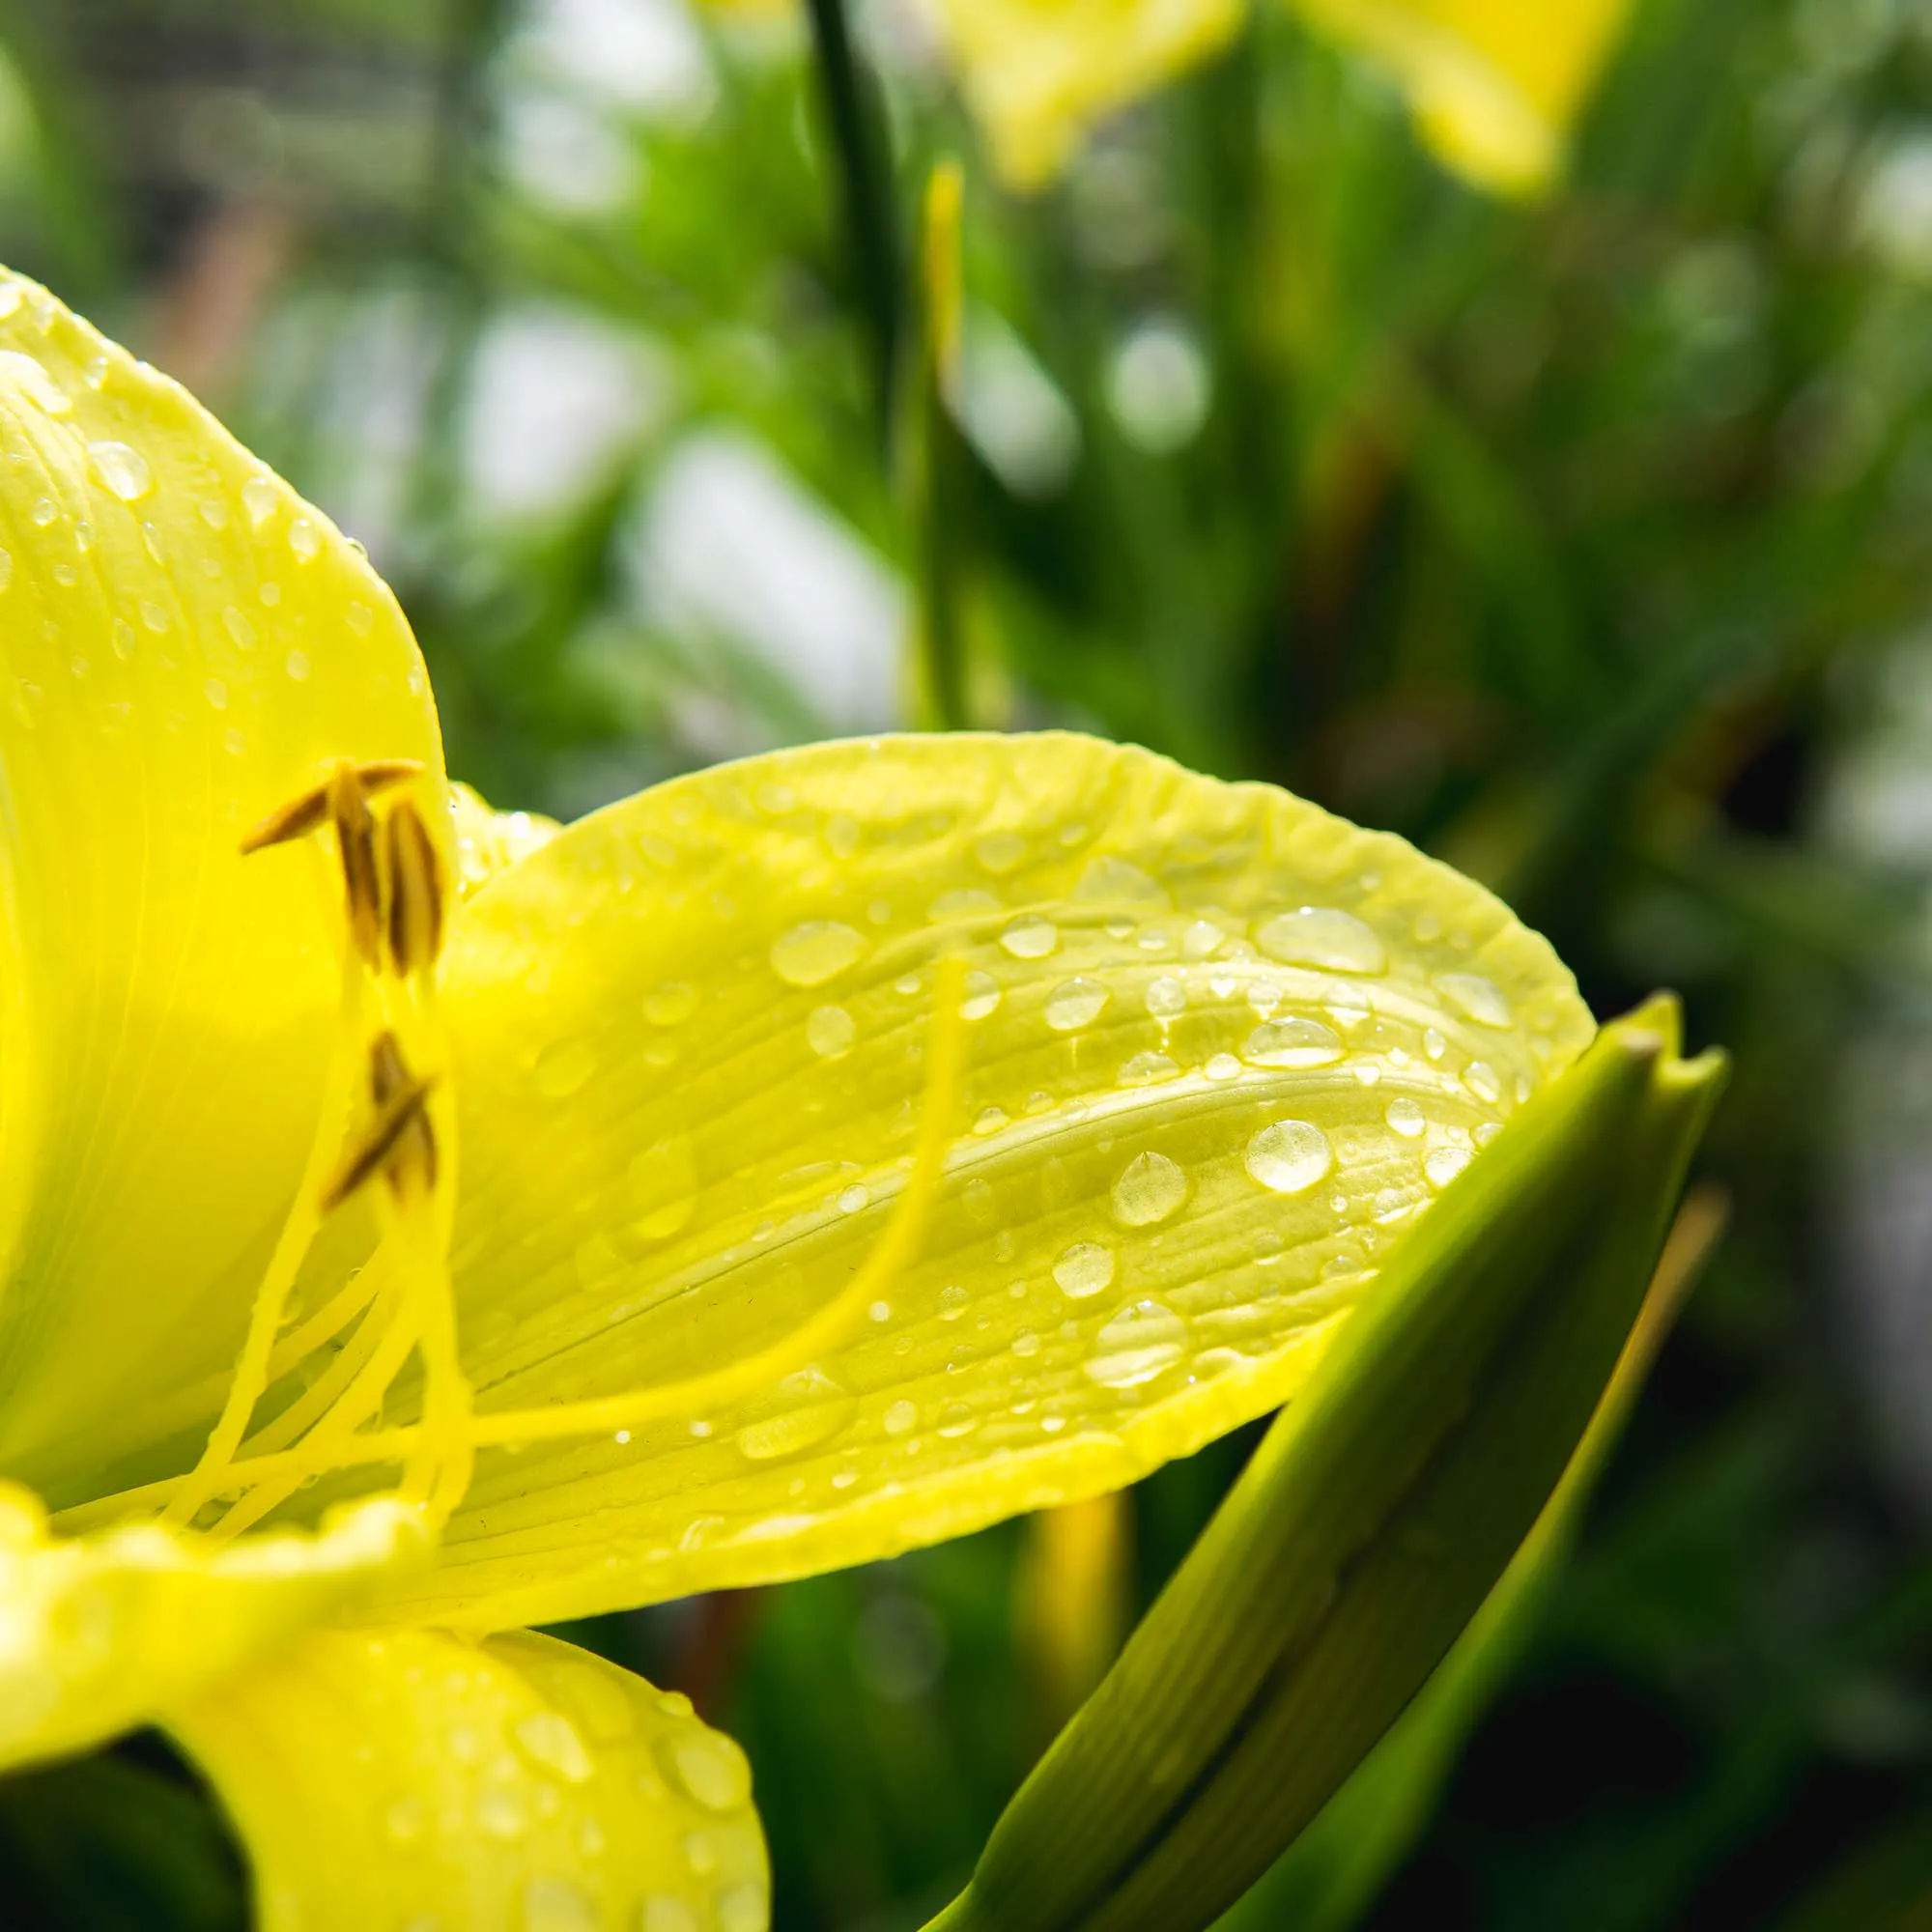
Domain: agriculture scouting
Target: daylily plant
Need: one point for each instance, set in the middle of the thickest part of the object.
(415, 1223)
(1496, 85)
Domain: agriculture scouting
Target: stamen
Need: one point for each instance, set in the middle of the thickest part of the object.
(401, 1143)
(362, 884)
(416, 893)
(712, 1389)
(302, 815)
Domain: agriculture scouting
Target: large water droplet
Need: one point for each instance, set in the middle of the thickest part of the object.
(1320, 936)
(550, 1741)
(712, 1769)
(1075, 1005)
(1289, 1156)
(1030, 937)
(121, 469)
(562, 1068)
(1166, 997)
(1150, 1187)
(1444, 1165)
(983, 996)
(556, 1905)
(261, 500)
(809, 954)
(1405, 1118)
(902, 1418)
(304, 539)
(1475, 997)
(1084, 1269)
(1292, 1042)
(830, 1032)
(824, 1410)
(22, 373)
(1136, 1345)
(671, 1003)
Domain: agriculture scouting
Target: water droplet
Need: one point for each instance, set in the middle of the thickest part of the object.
(296, 664)
(712, 1769)
(261, 500)
(1476, 998)
(550, 1741)
(990, 1119)
(556, 1905)
(1487, 1132)
(1150, 1187)
(44, 512)
(1289, 1156)
(1109, 877)
(1223, 1067)
(1084, 1269)
(304, 539)
(1292, 1042)
(663, 1912)
(562, 1068)
(1000, 852)
(745, 1907)
(83, 536)
(66, 576)
(155, 616)
(852, 1199)
(1030, 937)
(359, 618)
(122, 633)
(809, 954)
(902, 1418)
(830, 1032)
(1075, 1005)
(5, 568)
(216, 694)
(121, 469)
(96, 373)
(1136, 1345)
(661, 1188)
(268, 592)
(1405, 1118)
(1320, 936)
(1025, 1342)
(1166, 997)
(1444, 1165)
(983, 996)
(1432, 1043)
(213, 512)
(965, 903)
(500, 1813)
(1483, 1081)
(826, 1412)
(22, 373)
(671, 1003)
(1148, 1070)
(955, 1420)
(841, 835)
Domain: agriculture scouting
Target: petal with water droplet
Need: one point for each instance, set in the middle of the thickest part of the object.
(401, 1777)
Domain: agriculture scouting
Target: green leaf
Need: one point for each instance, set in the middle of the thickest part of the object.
(1370, 1525)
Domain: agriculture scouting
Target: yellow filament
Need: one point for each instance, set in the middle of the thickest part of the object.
(449, 1433)
(299, 1230)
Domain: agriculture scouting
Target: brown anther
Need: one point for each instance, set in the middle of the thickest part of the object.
(361, 882)
(302, 815)
(401, 1143)
(416, 895)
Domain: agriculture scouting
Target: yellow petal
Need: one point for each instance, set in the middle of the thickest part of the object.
(406, 1777)
(1496, 84)
(1223, 1048)
(489, 842)
(183, 648)
(1038, 73)
(104, 1631)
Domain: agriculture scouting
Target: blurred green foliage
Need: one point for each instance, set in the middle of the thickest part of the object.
(1588, 544)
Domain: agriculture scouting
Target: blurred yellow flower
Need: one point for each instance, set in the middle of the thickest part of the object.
(416, 1223)
(1496, 84)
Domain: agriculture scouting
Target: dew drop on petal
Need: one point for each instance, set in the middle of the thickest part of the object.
(1083, 1270)
(1289, 1156)
(1136, 1345)
(556, 1905)
(852, 1199)
(1475, 997)
(304, 539)
(260, 499)
(238, 626)
(5, 568)
(1483, 1081)
(1075, 1005)
(550, 1741)
(830, 1032)
(562, 1068)
(1444, 1165)
(121, 468)
(1321, 936)
(671, 1003)
(1166, 996)
(1000, 851)
(1223, 1067)
(1030, 937)
(44, 512)
(902, 1418)
(712, 1769)
(296, 664)
(1292, 1042)
(809, 954)
(1405, 1118)
(22, 372)
(1148, 1070)
(983, 996)
(1150, 1188)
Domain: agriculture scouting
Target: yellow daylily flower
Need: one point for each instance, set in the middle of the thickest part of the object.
(1496, 84)
(416, 1223)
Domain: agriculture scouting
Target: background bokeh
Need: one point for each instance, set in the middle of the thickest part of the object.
(1587, 543)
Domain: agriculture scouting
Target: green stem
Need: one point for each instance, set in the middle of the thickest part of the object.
(851, 98)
